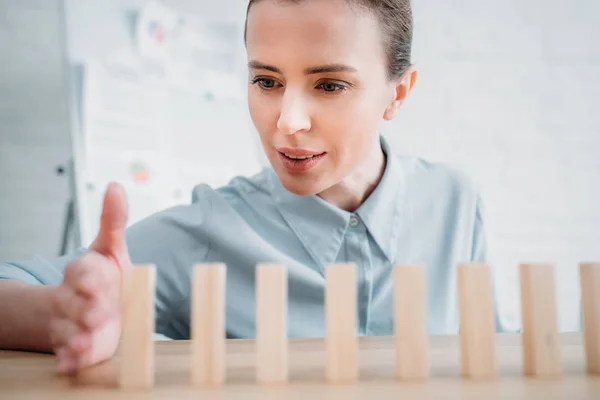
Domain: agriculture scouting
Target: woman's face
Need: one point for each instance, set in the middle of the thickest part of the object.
(318, 89)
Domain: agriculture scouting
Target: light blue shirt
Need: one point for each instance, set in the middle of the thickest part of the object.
(420, 213)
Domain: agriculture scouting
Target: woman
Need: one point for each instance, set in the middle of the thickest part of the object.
(323, 75)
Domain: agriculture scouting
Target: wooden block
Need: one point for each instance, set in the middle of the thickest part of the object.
(341, 341)
(207, 362)
(137, 344)
(542, 356)
(477, 324)
(271, 324)
(410, 322)
(590, 306)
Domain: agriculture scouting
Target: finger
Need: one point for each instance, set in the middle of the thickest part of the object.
(97, 345)
(74, 271)
(73, 306)
(72, 352)
(61, 332)
(67, 362)
(62, 359)
(65, 299)
(113, 223)
(92, 273)
(72, 344)
(80, 343)
(71, 363)
(100, 310)
(69, 354)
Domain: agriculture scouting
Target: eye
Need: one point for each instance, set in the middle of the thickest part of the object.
(265, 83)
(332, 87)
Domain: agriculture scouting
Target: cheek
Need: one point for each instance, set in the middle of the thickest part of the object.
(262, 112)
(351, 126)
(254, 108)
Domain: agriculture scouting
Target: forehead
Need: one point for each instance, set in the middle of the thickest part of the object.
(312, 31)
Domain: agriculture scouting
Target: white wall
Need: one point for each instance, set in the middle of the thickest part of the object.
(509, 91)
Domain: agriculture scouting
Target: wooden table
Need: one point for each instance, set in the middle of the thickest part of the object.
(33, 376)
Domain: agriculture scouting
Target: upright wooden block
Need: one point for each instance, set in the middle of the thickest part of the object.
(410, 322)
(542, 355)
(477, 325)
(341, 341)
(590, 305)
(207, 366)
(271, 324)
(137, 344)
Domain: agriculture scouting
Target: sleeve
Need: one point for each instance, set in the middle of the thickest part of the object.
(172, 240)
(38, 270)
(481, 254)
(479, 250)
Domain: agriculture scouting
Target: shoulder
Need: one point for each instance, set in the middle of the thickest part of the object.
(184, 232)
(442, 180)
(239, 196)
(256, 185)
(206, 201)
(445, 198)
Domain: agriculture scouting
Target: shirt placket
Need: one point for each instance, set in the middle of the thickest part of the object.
(358, 253)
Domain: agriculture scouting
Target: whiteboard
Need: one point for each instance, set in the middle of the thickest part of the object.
(158, 103)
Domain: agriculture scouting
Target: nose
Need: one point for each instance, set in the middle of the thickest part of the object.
(294, 117)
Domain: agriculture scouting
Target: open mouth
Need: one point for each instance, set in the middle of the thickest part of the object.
(300, 163)
(291, 157)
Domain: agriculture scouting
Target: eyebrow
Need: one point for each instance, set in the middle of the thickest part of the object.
(308, 71)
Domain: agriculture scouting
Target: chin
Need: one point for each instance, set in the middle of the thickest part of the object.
(301, 186)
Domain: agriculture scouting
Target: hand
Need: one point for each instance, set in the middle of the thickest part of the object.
(85, 325)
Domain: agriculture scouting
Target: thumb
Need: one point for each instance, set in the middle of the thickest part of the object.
(113, 223)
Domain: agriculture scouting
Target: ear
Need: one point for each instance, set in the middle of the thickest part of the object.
(402, 88)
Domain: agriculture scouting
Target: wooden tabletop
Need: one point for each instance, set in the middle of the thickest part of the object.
(26, 375)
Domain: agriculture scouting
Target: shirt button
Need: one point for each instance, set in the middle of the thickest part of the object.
(354, 221)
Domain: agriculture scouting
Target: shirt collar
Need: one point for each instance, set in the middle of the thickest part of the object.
(381, 211)
(321, 226)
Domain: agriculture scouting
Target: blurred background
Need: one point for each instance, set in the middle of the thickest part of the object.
(152, 94)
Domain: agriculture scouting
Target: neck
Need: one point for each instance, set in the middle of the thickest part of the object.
(354, 189)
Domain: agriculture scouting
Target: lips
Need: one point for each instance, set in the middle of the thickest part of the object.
(293, 152)
(299, 160)
(298, 157)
